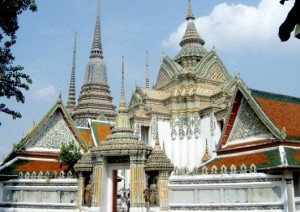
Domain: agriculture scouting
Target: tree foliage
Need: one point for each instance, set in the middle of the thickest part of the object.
(12, 80)
(69, 154)
(292, 19)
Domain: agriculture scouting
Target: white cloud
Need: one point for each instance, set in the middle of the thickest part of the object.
(45, 92)
(238, 27)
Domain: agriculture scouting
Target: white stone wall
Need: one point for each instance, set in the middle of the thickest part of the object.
(39, 194)
(232, 192)
(188, 151)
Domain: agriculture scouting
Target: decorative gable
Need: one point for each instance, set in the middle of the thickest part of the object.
(53, 134)
(212, 68)
(247, 124)
(215, 73)
(168, 70)
(163, 78)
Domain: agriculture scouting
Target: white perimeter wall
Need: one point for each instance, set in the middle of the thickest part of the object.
(231, 192)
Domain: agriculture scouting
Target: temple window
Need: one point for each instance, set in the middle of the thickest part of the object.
(296, 178)
(145, 134)
(220, 124)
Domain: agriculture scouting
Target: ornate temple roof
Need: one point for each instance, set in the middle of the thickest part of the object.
(39, 150)
(266, 159)
(95, 99)
(260, 131)
(33, 165)
(282, 110)
(192, 49)
(158, 160)
(55, 127)
(273, 115)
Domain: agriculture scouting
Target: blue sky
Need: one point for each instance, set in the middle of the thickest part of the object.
(243, 32)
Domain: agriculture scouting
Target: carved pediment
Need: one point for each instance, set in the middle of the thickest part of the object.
(212, 68)
(168, 71)
(247, 124)
(52, 134)
(215, 73)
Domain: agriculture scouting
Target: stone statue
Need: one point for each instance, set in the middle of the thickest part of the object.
(88, 196)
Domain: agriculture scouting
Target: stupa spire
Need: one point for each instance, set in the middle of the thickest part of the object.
(190, 12)
(206, 155)
(71, 97)
(95, 100)
(96, 50)
(192, 50)
(122, 123)
(191, 34)
(147, 70)
(122, 104)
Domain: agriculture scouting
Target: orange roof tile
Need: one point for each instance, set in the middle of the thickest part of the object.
(101, 131)
(86, 134)
(282, 114)
(248, 159)
(43, 166)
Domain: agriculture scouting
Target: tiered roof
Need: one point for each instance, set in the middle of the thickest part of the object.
(158, 160)
(262, 131)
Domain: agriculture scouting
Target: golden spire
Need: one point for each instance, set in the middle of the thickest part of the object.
(206, 155)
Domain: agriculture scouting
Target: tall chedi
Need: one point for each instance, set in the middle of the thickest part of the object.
(95, 100)
(71, 98)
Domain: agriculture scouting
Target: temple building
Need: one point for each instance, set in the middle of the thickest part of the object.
(198, 140)
(189, 101)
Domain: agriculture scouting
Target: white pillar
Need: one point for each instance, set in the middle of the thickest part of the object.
(288, 177)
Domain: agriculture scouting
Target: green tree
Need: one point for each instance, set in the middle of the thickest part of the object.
(69, 154)
(12, 80)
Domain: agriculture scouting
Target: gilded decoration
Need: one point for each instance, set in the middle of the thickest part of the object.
(53, 134)
(247, 124)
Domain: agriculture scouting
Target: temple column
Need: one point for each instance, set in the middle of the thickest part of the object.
(163, 182)
(137, 182)
(80, 189)
(288, 177)
(97, 181)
